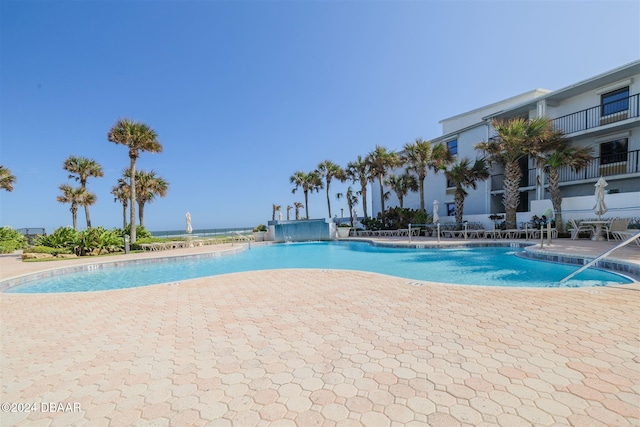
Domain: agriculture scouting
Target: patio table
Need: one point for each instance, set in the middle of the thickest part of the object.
(597, 235)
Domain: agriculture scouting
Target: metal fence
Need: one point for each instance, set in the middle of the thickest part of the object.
(614, 164)
(599, 115)
(31, 233)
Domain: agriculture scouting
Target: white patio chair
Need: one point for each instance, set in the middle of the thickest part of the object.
(577, 229)
(617, 227)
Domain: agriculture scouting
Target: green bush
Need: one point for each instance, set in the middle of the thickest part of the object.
(10, 240)
(395, 218)
(47, 250)
(62, 237)
(91, 241)
(141, 232)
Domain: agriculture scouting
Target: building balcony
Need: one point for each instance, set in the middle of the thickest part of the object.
(618, 165)
(600, 115)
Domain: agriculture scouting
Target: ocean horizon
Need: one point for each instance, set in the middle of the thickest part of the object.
(201, 232)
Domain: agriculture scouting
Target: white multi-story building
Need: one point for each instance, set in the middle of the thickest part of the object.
(602, 112)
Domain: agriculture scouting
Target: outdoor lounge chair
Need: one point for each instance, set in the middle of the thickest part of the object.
(617, 227)
(577, 229)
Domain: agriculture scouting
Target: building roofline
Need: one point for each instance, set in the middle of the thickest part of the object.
(495, 104)
(569, 89)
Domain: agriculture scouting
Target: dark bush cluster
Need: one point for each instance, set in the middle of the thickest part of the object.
(395, 218)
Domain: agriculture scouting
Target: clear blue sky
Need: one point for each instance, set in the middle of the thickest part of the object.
(244, 93)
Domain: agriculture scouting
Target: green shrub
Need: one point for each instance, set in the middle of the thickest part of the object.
(260, 227)
(62, 237)
(141, 232)
(47, 250)
(91, 241)
(395, 218)
(10, 240)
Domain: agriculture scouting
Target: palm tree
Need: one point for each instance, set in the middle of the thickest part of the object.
(516, 139)
(76, 197)
(352, 200)
(148, 186)
(563, 156)
(298, 206)
(138, 137)
(464, 175)
(359, 171)
(380, 160)
(289, 207)
(419, 157)
(401, 185)
(122, 194)
(7, 179)
(309, 182)
(275, 208)
(81, 168)
(329, 170)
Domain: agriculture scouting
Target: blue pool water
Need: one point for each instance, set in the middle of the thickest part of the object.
(492, 266)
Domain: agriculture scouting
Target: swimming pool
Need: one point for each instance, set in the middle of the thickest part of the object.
(490, 266)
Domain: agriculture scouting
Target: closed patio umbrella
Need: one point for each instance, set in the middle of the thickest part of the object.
(436, 216)
(189, 228)
(600, 207)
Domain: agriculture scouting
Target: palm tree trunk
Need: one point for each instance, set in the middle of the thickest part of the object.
(556, 197)
(306, 203)
(74, 216)
(328, 200)
(511, 196)
(86, 213)
(459, 200)
(363, 193)
(381, 193)
(124, 216)
(132, 203)
(401, 201)
(421, 183)
(141, 213)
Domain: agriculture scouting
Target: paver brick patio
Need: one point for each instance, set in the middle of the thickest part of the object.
(323, 347)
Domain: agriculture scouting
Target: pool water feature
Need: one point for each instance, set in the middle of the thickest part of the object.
(489, 266)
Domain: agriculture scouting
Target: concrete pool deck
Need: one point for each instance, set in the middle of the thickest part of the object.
(322, 348)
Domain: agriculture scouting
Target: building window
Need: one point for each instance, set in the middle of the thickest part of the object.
(451, 209)
(614, 151)
(450, 183)
(452, 146)
(614, 102)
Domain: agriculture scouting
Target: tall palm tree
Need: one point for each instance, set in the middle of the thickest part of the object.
(465, 175)
(138, 137)
(7, 179)
(275, 208)
(76, 196)
(81, 168)
(401, 185)
(360, 172)
(516, 139)
(352, 200)
(420, 156)
(289, 207)
(309, 182)
(298, 206)
(563, 156)
(122, 194)
(380, 160)
(329, 170)
(148, 187)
